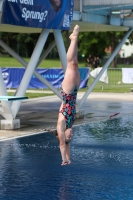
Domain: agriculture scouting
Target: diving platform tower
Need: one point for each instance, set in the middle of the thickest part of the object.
(28, 16)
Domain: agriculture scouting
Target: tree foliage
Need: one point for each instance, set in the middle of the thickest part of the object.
(93, 43)
(23, 43)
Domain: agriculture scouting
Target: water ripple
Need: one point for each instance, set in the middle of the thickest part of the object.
(101, 168)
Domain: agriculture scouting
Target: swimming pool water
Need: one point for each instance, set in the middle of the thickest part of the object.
(101, 168)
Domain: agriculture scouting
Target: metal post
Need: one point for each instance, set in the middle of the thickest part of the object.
(81, 5)
(104, 68)
(6, 111)
(46, 53)
(24, 63)
(49, 85)
(30, 69)
(61, 48)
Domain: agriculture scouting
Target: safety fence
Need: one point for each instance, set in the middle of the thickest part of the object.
(115, 81)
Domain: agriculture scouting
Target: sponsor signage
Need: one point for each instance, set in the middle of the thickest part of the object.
(49, 14)
(13, 76)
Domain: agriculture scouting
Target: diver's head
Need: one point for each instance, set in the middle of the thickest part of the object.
(68, 135)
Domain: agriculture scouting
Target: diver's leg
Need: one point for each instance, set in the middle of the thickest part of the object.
(72, 77)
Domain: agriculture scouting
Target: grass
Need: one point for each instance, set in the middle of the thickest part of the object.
(105, 88)
(34, 95)
(47, 63)
(114, 89)
(115, 83)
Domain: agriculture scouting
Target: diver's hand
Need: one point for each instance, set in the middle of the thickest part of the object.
(69, 162)
(65, 162)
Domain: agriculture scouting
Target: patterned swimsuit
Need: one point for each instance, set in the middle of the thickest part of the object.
(69, 109)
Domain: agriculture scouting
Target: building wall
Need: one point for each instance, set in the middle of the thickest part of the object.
(77, 5)
(106, 2)
(126, 50)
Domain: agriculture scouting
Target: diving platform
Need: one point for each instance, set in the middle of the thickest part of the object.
(12, 98)
(98, 15)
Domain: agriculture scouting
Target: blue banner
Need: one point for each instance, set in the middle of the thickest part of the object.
(49, 14)
(13, 76)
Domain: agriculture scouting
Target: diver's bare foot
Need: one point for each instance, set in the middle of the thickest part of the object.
(75, 33)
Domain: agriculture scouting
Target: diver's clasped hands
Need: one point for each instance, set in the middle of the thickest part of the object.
(65, 162)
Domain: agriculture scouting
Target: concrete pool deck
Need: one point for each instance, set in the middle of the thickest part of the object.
(40, 114)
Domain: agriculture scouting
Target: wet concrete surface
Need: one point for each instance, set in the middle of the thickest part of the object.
(40, 114)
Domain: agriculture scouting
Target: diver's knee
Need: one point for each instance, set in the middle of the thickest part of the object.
(73, 64)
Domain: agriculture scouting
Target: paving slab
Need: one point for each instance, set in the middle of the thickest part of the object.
(39, 115)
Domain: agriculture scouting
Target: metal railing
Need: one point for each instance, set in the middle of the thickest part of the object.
(114, 81)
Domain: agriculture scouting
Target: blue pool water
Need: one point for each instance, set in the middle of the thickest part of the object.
(101, 168)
